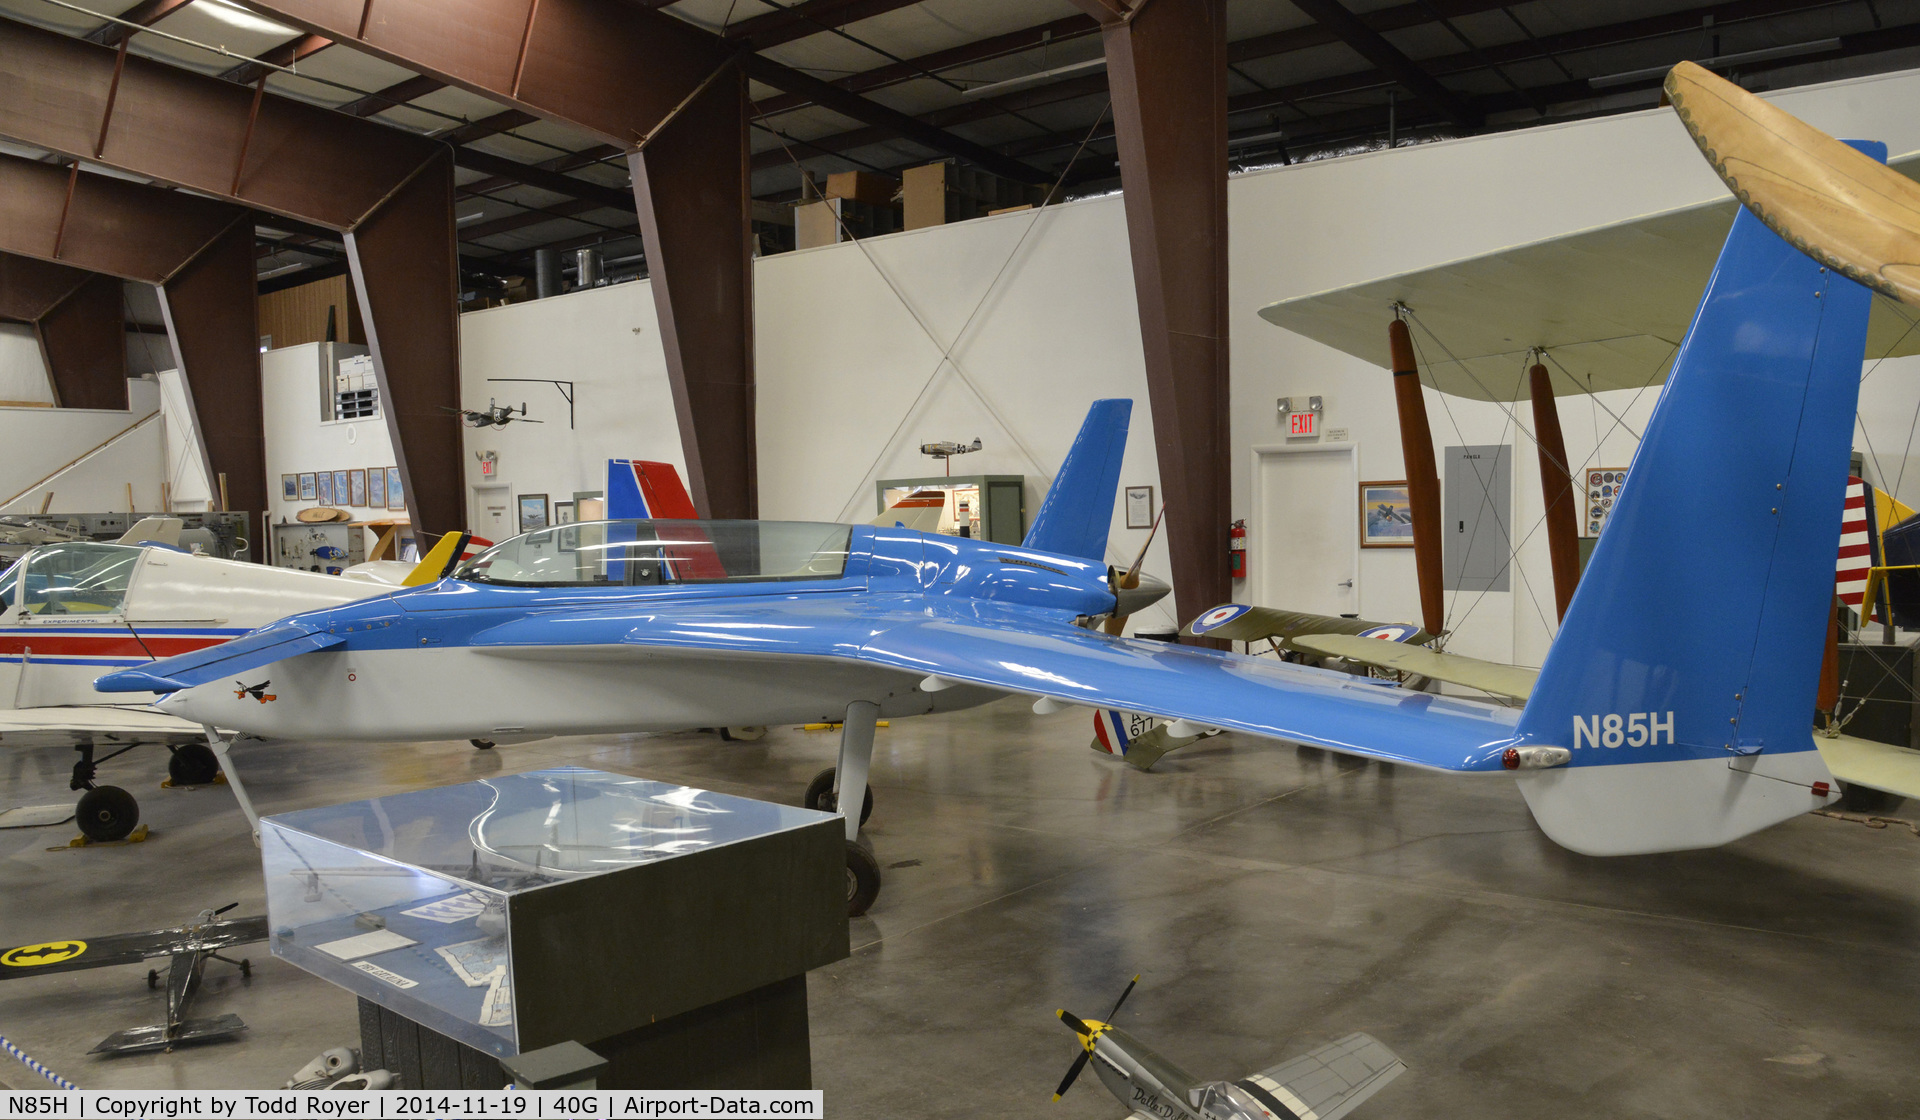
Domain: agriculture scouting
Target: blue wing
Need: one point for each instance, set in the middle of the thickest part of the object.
(1022, 652)
(244, 654)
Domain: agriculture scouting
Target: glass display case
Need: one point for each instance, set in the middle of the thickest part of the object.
(518, 911)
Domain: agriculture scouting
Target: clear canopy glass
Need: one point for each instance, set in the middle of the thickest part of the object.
(641, 553)
(83, 579)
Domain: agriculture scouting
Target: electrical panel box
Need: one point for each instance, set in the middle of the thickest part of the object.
(517, 912)
(328, 546)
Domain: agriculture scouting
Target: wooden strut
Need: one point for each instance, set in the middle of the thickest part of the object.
(1423, 477)
(1556, 488)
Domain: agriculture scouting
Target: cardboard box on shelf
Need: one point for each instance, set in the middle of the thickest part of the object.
(862, 186)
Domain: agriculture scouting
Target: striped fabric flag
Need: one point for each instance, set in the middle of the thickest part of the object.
(1859, 545)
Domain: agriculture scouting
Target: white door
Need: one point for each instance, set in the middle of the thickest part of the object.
(491, 514)
(1305, 536)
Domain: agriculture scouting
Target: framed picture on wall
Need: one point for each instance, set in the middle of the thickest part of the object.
(395, 499)
(1603, 490)
(357, 488)
(377, 487)
(563, 513)
(1386, 515)
(290, 487)
(307, 491)
(1139, 507)
(533, 512)
(326, 488)
(339, 488)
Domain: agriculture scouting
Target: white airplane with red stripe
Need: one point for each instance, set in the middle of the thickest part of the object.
(73, 610)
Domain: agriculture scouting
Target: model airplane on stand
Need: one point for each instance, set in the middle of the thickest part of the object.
(1641, 734)
(1324, 1084)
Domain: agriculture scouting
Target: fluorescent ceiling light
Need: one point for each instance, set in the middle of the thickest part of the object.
(233, 15)
(1039, 76)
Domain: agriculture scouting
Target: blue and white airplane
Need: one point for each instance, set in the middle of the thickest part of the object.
(1672, 711)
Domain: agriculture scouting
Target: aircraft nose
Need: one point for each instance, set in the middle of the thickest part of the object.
(1134, 599)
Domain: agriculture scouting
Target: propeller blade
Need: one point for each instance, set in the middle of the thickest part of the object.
(1116, 623)
(1073, 1071)
(1074, 1021)
(1123, 997)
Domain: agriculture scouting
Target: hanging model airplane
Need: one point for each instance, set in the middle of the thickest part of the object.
(187, 949)
(1643, 732)
(1324, 1084)
(495, 415)
(72, 609)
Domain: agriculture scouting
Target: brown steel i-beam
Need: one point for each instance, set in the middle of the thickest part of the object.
(688, 181)
(618, 72)
(213, 314)
(403, 260)
(77, 319)
(270, 152)
(1167, 66)
(1556, 486)
(84, 341)
(1423, 476)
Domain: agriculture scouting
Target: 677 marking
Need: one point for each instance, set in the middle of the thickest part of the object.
(1636, 729)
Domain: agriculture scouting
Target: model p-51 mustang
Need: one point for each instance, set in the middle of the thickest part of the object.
(1671, 712)
(1324, 1084)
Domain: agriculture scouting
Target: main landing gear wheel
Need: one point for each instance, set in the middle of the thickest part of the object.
(820, 796)
(481, 744)
(863, 879)
(194, 764)
(106, 813)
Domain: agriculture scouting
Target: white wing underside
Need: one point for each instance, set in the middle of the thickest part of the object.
(59, 726)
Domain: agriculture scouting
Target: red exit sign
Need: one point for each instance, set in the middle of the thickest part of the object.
(1303, 424)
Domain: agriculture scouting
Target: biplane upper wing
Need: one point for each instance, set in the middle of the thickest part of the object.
(1329, 1082)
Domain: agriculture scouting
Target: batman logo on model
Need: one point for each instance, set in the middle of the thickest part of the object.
(43, 954)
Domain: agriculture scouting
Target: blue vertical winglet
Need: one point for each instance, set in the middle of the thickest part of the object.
(1078, 510)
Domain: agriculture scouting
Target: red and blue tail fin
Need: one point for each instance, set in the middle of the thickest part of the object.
(1684, 675)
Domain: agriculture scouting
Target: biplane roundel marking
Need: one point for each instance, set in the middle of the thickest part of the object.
(1219, 616)
(1392, 632)
(43, 954)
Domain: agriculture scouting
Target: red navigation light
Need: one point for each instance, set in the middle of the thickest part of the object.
(1511, 759)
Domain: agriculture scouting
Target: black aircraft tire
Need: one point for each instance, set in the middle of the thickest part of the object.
(1861, 799)
(193, 765)
(481, 744)
(863, 879)
(106, 813)
(820, 796)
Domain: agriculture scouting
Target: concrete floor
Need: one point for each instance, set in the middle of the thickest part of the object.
(1271, 898)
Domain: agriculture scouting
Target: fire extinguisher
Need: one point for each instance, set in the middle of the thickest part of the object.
(1237, 549)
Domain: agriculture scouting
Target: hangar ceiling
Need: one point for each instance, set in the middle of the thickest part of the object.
(1009, 84)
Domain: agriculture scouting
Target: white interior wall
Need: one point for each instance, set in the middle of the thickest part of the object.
(298, 441)
(85, 456)
(23, 371)
(188, 485)
(604, 340)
